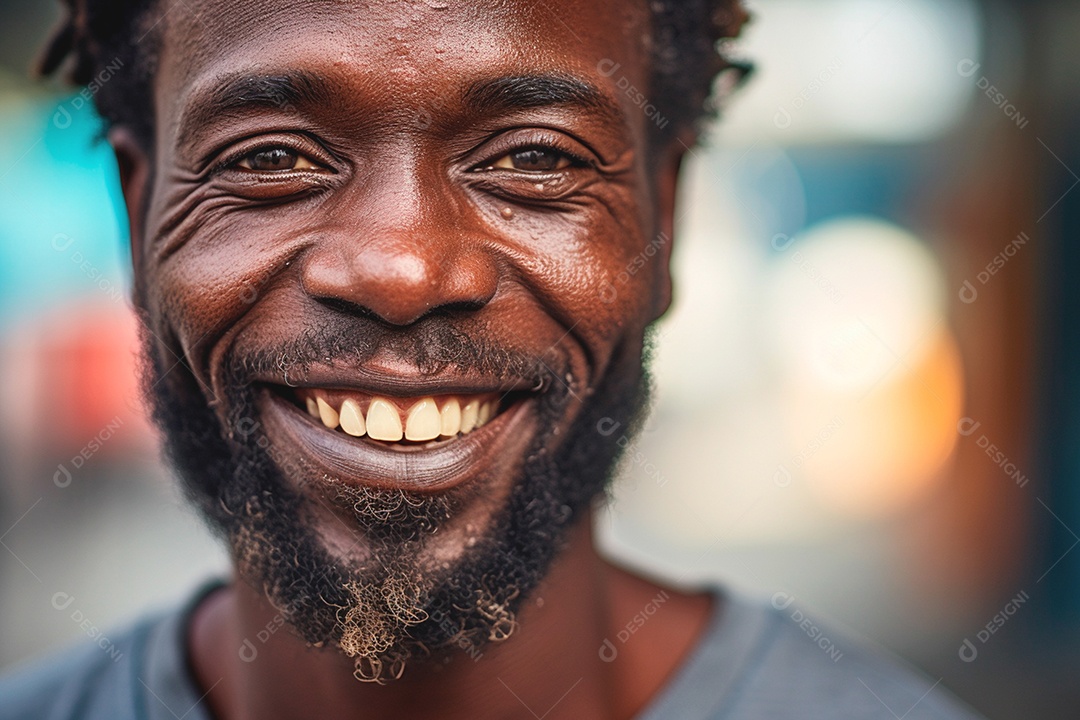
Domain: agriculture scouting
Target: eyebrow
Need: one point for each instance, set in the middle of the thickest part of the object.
(245, 92)
(495, 96)
(503, 95)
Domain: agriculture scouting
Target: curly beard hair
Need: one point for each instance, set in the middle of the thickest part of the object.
(386, 605)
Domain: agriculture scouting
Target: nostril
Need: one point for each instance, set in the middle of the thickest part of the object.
(446, 309)
(348, 308)
(458, 307)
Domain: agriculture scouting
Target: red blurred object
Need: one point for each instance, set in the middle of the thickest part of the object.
(72, 387)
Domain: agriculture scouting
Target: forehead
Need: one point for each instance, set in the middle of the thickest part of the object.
(400, 52)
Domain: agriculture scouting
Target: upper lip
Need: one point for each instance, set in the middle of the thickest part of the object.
(382, 382)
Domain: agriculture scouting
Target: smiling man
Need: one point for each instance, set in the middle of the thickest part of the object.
(381, 257)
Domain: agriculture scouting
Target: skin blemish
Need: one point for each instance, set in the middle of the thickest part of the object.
(507, 213)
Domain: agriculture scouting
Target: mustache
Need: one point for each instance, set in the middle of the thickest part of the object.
(431, 345)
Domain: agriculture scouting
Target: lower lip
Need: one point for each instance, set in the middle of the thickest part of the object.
(432, 468)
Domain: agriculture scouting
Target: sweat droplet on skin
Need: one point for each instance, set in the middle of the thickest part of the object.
(507, 213)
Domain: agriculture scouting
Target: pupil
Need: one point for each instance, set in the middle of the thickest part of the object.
(276, 159)
(535, 160)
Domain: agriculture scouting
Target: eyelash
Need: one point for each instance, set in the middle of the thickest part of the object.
(232, 159)
(575, 161)
(542, 141)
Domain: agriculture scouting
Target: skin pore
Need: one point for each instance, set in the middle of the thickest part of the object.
(401, 200)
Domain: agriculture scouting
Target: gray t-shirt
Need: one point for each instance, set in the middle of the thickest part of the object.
(754, 662)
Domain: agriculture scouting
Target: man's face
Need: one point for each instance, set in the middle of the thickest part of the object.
(390, 269)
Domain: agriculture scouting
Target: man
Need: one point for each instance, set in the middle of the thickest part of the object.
(376, 248)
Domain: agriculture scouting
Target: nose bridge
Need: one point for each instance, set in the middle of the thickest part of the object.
(398, 250)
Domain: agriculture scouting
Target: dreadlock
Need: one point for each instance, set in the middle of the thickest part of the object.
(100, 34)
(688, 49)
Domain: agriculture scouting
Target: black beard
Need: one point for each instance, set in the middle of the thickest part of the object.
(386, 607)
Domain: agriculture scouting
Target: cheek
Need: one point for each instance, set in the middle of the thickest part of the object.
(212, 282)
(587, 269)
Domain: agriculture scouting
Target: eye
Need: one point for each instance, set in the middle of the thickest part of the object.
(275, 159)
(535, 159)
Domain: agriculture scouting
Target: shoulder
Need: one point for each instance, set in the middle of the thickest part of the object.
(88, 681)
(805, 660)
(137, 673)
(770, 660)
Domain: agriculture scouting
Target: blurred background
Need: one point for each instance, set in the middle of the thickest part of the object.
(864, 401)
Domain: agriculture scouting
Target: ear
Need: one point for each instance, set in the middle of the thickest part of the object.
(134, 166)
(667, 185)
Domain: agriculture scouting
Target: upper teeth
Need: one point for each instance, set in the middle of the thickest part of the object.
(425, 419)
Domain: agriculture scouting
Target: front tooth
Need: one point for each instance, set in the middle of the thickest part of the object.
(423, 422)
(486, 411)
(352, 420)
(468, 415)
(383, 421)
(328, 414)
(450, 418)
(312, 407)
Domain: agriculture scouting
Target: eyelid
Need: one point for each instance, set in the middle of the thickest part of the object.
(294, 142)
(497, 163)
(512, 141)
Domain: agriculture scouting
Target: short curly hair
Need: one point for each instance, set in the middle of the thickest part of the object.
(689, 51)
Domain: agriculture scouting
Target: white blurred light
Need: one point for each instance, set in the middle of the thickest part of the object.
(728, 198)
(873, 379)
(843, 70)
(851, 299)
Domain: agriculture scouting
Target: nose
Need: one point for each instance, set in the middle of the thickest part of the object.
(401, 270)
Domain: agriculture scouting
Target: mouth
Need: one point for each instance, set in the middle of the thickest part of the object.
(429, 441)
(401, 422)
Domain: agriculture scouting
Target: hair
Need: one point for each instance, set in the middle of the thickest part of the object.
(688, 53)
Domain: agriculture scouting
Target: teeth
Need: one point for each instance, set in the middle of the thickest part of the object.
(383, 421)
(327, 414)
(486, 411)
(352, 420)
(450, 418)
(468, 415)
(423, 422)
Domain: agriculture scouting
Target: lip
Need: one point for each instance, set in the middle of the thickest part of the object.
(375, 381)
(435, 468)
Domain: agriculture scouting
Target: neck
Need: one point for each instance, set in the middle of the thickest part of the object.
(551, 667)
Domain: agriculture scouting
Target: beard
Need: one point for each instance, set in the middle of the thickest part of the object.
(390, 603)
